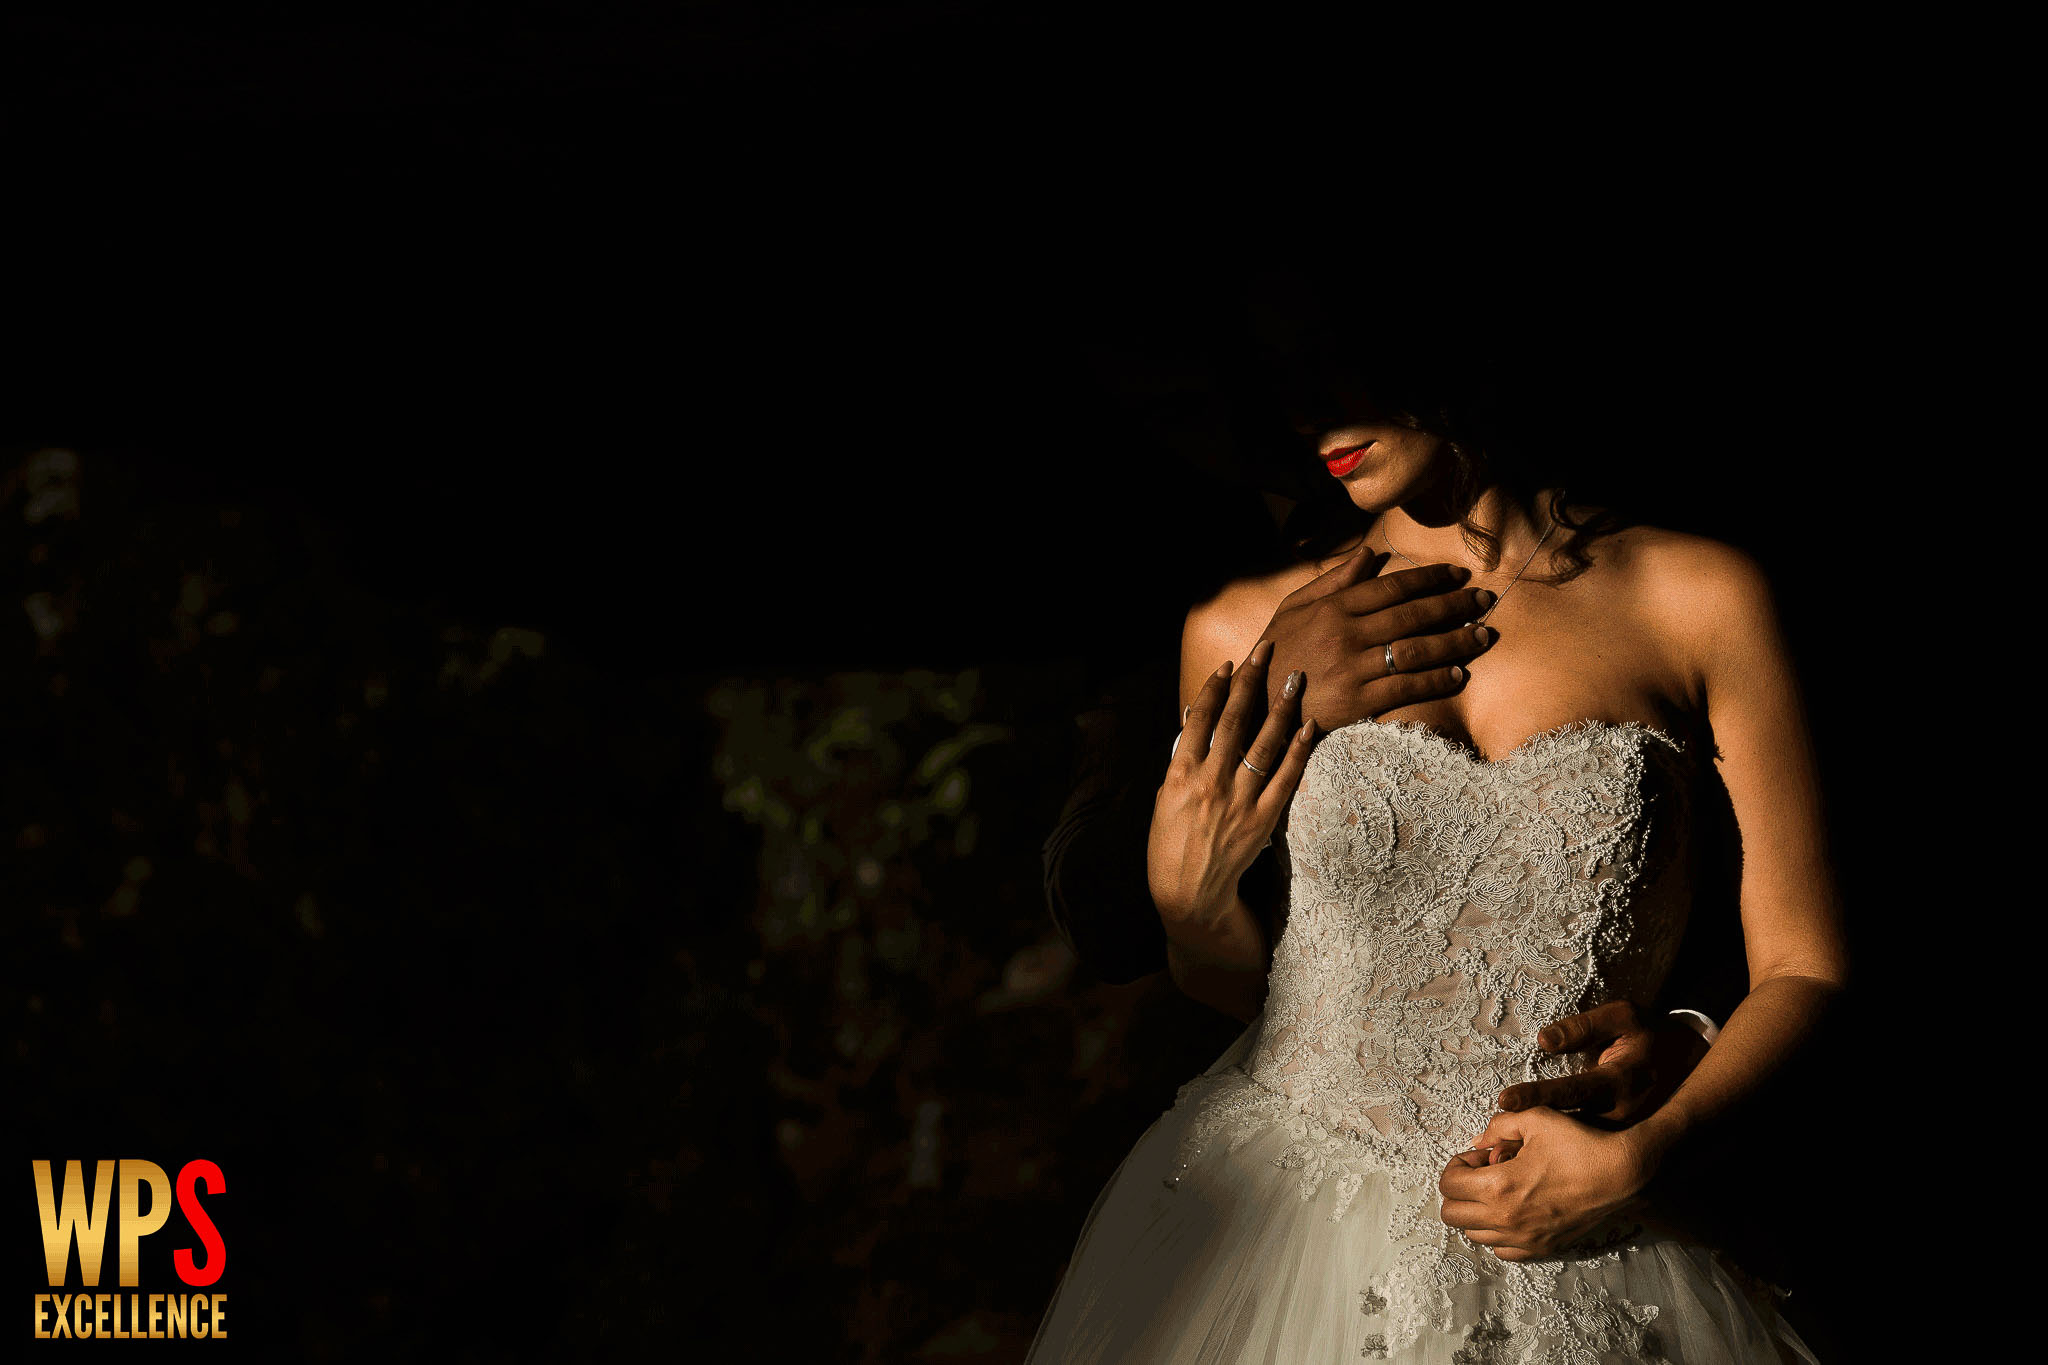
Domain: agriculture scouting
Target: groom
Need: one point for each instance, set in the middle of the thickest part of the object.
(1097, 892)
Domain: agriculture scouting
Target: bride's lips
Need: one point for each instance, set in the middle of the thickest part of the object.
(1342, 462)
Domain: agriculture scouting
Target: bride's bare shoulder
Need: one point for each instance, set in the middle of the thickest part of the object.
(1694, 587)
(1228, 624)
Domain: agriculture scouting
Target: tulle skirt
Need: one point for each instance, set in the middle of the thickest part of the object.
(1235, 1265)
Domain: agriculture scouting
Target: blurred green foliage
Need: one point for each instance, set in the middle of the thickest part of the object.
(827, 776)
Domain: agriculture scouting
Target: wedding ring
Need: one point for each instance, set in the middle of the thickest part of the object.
(1391, 670)
(1262, 772)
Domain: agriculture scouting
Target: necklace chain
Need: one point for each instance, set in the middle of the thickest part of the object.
(1511, 582)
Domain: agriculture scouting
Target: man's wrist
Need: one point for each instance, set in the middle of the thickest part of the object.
(1230, 939)
(1199, 929)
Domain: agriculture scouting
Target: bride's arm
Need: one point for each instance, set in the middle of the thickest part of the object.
(1219, 958)
(1791, 916)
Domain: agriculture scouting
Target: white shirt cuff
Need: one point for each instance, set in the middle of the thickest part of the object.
(1698, 1023)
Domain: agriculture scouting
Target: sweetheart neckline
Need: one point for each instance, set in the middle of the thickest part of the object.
(1464, 750)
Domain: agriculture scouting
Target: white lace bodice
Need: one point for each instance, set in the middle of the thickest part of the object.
(1442, 910)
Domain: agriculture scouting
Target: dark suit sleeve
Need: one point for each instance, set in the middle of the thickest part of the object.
(1095, 883)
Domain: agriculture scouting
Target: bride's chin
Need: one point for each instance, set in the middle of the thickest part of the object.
(1372, 502)
(1381, 495)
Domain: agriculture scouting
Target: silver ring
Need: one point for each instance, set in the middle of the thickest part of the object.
(1262, 772)
(1391, 670)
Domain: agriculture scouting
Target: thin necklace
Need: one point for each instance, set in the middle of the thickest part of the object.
(1511, 582)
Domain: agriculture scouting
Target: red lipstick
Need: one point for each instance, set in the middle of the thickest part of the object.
(1342, 462)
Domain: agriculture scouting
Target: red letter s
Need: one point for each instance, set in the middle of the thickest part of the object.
(188, 1203)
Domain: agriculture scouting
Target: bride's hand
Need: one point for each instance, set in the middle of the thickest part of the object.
(1547, 1181)
(1213, 814)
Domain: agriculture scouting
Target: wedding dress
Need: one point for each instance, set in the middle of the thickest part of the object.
(1442, 909)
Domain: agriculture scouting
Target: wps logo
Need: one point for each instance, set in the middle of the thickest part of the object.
(72, 1220)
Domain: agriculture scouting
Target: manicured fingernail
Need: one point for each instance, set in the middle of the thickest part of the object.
(1462, 573)
(1483, 597)
(1308, 730)
(1482, 634)
(1457, 673)
(1224, 671)
(1293, 685)
(1184, 712)
(1264, 653)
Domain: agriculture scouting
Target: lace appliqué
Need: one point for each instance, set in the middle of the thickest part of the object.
(1442, 909)
(1586, 1327)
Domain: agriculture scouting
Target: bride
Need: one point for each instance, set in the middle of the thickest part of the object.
(1471, 867)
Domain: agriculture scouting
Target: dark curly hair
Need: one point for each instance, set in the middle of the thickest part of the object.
(1328, 379)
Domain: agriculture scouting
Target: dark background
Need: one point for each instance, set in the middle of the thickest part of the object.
(637, 449)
